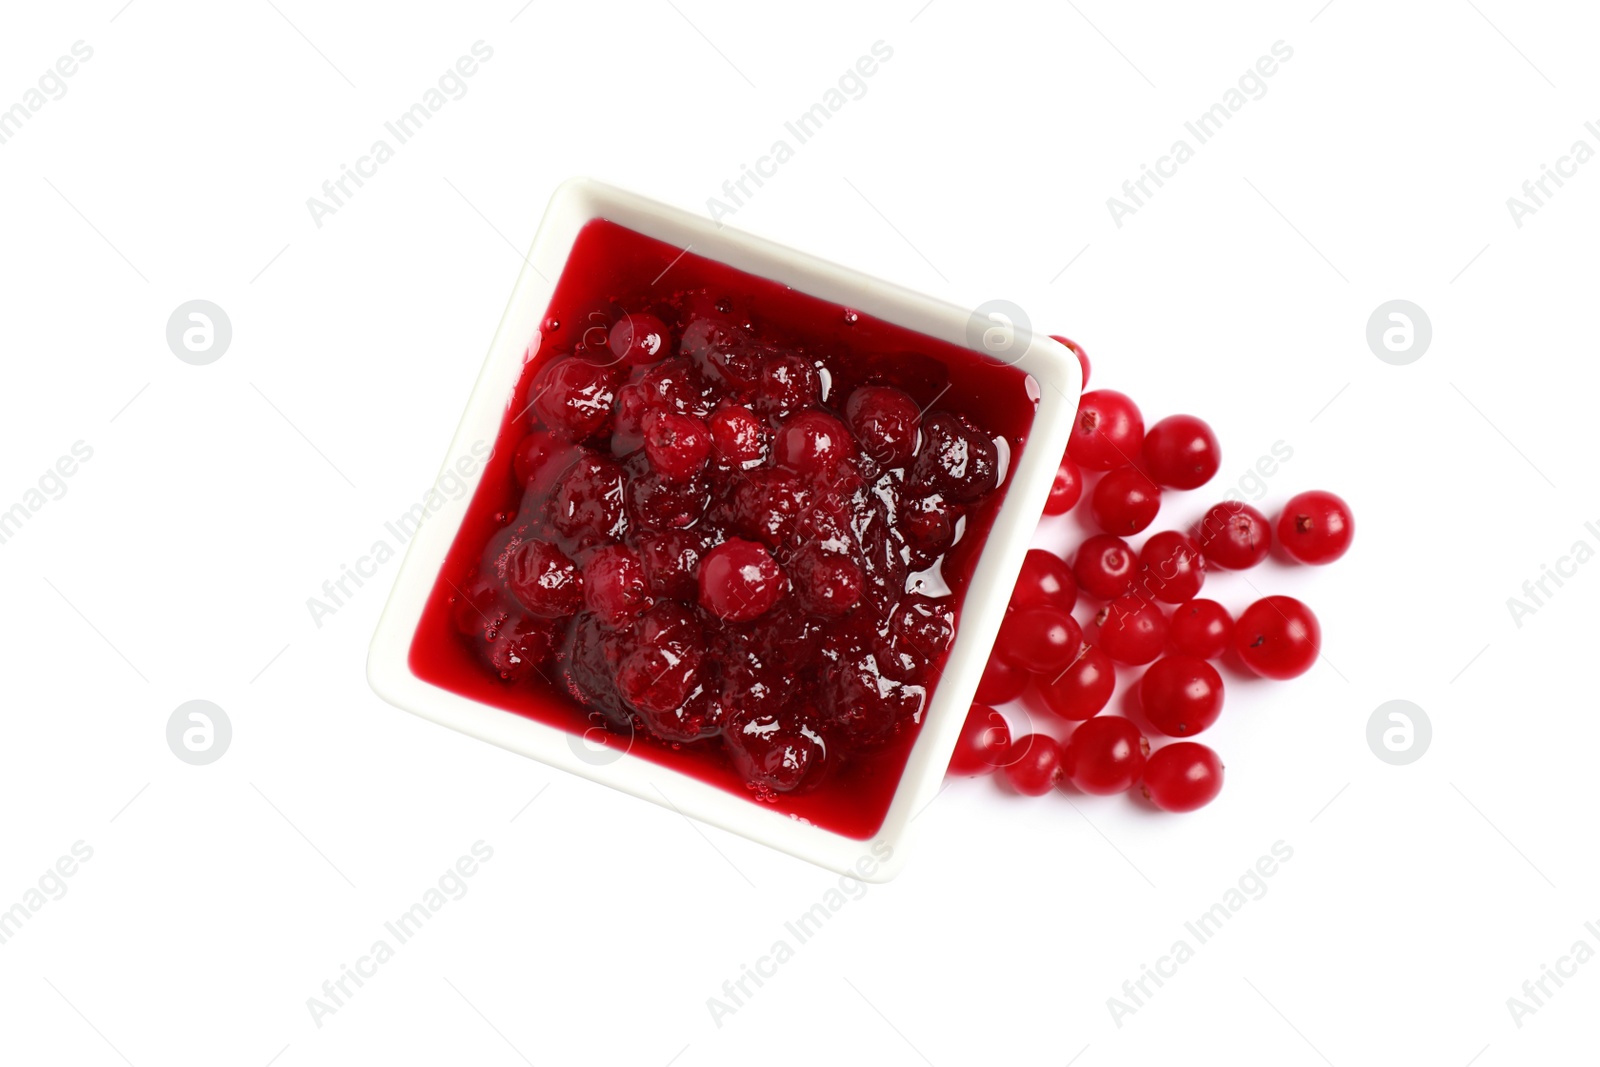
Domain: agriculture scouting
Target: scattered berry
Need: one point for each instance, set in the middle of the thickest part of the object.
(1181, 695)
(1082, 690)
(1171, 568)
(1105, 755)
(1130, 630)
(1105, 566)
(1125, 501)
(1200, 628)
(1108, 433)
(1234, 535)
(1065, 489)
(1278, 637)
(1034, 764)
(1181, 452)
(984, 744)
(1043, 640)
(1045, 581)
(1316, 527)
(1183, 777)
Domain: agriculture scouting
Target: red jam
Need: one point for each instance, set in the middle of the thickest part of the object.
(729, 523)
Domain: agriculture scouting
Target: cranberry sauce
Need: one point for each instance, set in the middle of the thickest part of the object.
(730, 525)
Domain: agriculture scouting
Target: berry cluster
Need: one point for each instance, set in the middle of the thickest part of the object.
(728, 539)
(1145, 611)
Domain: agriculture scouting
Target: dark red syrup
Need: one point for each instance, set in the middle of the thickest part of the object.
(730, 524)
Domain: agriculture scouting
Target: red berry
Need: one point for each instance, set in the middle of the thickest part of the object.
(886, 421)
(984, 744)
(1125, 502)
(1181, 695)
(574, 397)
(614, 585)
(677, 445)
(787, 384)
(774, 752)
(1108, 431)
(1042, 640)
(1034, 764)
(1234, 535)
(544, 580)
(539, 459)
(738, 438)
(587, 502)
(1181, 452)
(825, 583)
(639, 339)
(1083, 689)
(1065, 489)
(1316, 527)
(1105, 755)
(1278, 637)
(1104, 566)
(1130, 630)
(1171, 568)
(1001, 682)
(812, 442)
(1201, 628)
(739, 580)
(1044, 581)
(662, 667)
(956, 459)
(1077, 350)
(1183, 776)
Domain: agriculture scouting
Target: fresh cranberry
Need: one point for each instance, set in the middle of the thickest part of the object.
(765, 504)
(1181, 452)
(956, 459)
(984, 744)
(1042, 640)
(1278, 637)
(1001, 682)
(1077, 350)
(738, 438)
(1316, 527)
(1130, 629)
(1234, 535)
(544, 580)
(1065, 489)
(1033, 766)
(826, 583)
(774, 753)
(1108, 432)
(574, 397)
(1125, 501)
(739, 580)
(788, 383)
(1181, 695)
(614, 585)
(1105, 755)
(1183, 777)
(639, 338)
(886, 421)
(1044, 581)
(811, 442)
(662, 665)
(1201, 628)
(1104, 566)
(1171, 568)
(586, 505)
(676, 444)
(1083, 689)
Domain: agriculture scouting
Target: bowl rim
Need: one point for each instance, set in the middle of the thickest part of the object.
(576, 202)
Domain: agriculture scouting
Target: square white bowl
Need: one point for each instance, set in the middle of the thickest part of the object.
(574, 204)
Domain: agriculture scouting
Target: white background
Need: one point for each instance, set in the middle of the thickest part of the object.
(219, 498)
